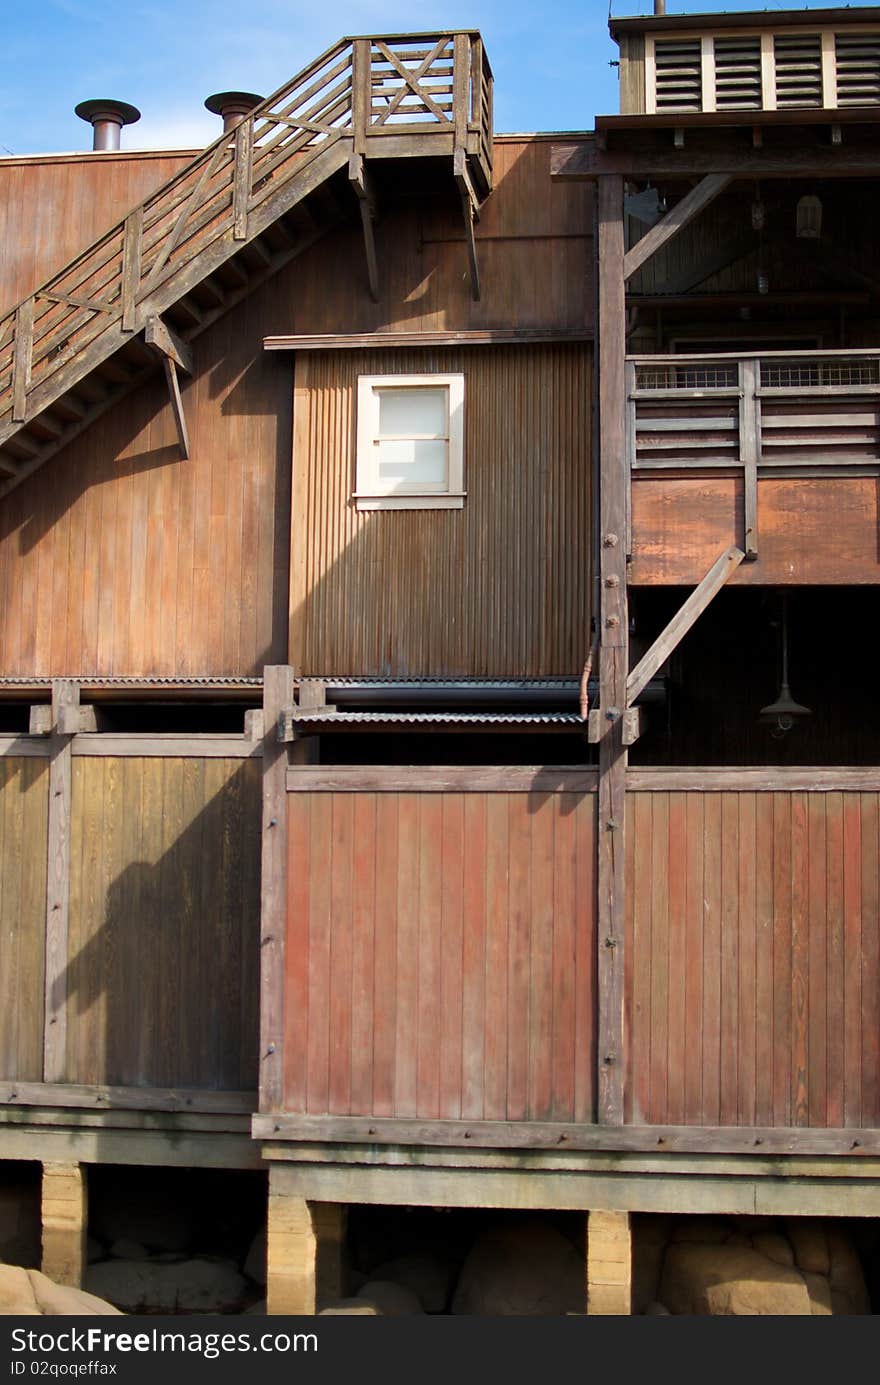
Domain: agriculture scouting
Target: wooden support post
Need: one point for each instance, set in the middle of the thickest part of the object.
(241, 187)
(471, 212)
(362, 95)
(65, 697)
(460, 83)
(277, 694)
(131, 267)
(65, 1205)
(21, 359)
(613, 648)
(173, 383)
(304, 1249)
(749, 449)
(362, 185)
(176, 355)
(609, 1263)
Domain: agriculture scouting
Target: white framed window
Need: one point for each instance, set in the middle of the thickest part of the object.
(410, 442)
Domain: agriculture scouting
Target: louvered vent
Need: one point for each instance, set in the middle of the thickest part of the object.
(798, 70)
(738, 74)
(858, 69)
(678, 69)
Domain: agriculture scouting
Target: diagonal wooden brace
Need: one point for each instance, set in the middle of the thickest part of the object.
(176, 355)
(363, 188)
(470, 206)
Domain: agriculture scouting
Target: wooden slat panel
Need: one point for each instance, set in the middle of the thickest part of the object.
(474, 924)
(763, 946)
(162, 972)
(24, 797)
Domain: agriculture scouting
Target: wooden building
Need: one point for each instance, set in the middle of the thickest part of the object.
(372, 808)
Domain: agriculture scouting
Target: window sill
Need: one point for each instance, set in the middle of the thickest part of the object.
(447, 501)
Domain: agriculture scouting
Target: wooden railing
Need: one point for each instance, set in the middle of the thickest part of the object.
(355, 96)
(779, 413)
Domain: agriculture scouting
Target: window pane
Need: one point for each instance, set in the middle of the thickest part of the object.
(405, 412)
(405, 463)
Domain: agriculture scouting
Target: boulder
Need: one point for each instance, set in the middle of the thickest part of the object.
(189, 1286)
(656, 1310)
(702, 1231)
(810, 1244)
(351, 1307)
(255, 1260)
(849, 1293)
(429, 1277)
(525, 1269)
(774, 1246)
(819, 1290)
(730, 1281)
(29, 1293)
(390, 1300)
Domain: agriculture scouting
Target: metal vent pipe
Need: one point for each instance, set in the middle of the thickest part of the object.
(232, 106)
(107, 118)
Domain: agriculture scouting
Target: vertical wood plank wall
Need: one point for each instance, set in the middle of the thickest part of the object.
(753, 954)
(440, 956)
(163, 972)
(501, 587)
(24, 798)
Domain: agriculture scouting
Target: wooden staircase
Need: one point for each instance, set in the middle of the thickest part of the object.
(241, 210)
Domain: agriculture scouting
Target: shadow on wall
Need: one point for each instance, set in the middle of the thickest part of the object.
(162, 984)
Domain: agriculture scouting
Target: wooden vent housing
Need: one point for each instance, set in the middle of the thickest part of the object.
(814, 68)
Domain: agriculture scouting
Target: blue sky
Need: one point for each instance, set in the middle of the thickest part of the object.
(551, 60)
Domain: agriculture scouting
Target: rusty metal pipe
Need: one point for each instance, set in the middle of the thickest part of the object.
(107, 117)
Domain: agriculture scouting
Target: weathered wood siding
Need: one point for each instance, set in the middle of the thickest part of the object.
(53, 206)
(440, 955)
(810, 530)
(24, 797)
(119, 558)
(501, 587)
(162, 980)
(753, 959)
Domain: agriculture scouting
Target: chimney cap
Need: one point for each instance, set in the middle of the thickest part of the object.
(239, 102)
(106, 108)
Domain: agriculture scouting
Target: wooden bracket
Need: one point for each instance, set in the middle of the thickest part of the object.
(674, 221)
(362, 184)
(666, 642)
(176, 355)
(470, 205)
(40, 720)
(254, 724)
(599, 724)
(633, 725)
(73, 720)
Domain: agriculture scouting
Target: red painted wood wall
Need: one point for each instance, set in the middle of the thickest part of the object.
(753, 959)
(440, 955)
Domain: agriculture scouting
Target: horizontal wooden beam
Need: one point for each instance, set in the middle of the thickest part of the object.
(584, 162)
(483, 1134)
(755, 779)
(439, 779)
(675, 220)
(668, 640)
(205, 747)
(48, 1094)
(373, 341)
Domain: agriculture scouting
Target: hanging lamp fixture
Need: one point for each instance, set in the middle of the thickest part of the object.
(784, 713)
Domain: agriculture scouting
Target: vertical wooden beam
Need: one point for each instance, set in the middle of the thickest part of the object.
(65, 695)
(21, 359)
(613, 647)
(749, 447)
(241, 188)
(362, 95)
(64, 1215)
(460, 83)
(609, 1263)
(131, 267)
(277, 693)
(304, 1249)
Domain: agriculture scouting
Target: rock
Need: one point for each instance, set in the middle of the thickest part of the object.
(351, 1307)
(656, 1310)
(774, 1246)
(16, 1292)
(810, 1245)
(20, 1224)
(62, 1301)
(702, 1231)
(819, 1290)
(190, 1286)
(730, 1281)
(429, 1277)
(390, 1300)
(126, 1249)
(525, 1269)
(255, 1261)
(29, 1293)
(849, 1293)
